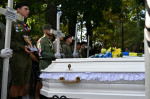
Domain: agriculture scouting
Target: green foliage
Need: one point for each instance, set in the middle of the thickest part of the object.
(104, 19)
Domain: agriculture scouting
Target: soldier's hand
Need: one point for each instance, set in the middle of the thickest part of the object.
(75, 54)
(57, 55)
(62, 55)
(27, 49)
(6, 53)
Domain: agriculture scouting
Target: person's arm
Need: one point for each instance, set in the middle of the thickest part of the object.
(34, 58)
(55, 46)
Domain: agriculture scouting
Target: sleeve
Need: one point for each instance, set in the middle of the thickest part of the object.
(45, 54)
(15, 44)
(55, 46)
(64, 49)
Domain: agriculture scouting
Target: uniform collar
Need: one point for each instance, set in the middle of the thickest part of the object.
(67, 44)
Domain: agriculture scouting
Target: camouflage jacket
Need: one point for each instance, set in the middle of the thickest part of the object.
(46, 49)
(67, 51)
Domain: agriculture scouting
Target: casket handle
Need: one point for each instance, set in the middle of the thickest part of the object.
(70, 82)
(69, 66)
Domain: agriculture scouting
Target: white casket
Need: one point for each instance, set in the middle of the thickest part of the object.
(95, 78)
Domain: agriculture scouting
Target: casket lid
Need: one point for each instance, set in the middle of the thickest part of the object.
(127, 64)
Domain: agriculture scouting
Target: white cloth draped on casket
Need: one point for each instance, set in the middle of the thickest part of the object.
(95, 76)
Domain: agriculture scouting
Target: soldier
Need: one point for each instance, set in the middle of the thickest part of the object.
(46, 48)
(20, 63)
(67, 47)
(78, 50)
(46, 51)
(4, 53)
(83, 50)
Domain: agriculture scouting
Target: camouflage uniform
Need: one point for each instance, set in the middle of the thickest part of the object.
(46, 52)
(20, 63)
(2, 40)
(83, 52)
(79, 54)
(67, 51)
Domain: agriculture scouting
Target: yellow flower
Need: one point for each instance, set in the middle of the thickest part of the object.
(109, 49)
(116, 52)
(103, 50)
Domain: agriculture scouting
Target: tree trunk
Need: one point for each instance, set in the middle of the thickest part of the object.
(89, 30)
(51, 15)
(137, 16)
(72, 25)
(81, 30)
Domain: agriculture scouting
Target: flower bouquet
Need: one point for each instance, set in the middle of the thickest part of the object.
(111, 52)
(114, 52)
